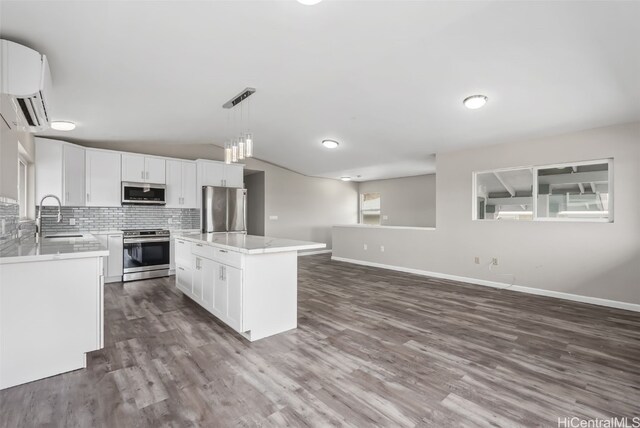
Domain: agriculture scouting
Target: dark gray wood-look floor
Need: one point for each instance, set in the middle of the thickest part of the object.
(373, 347)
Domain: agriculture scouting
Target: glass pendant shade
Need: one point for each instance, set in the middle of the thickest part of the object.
(234, 151)
(248, 145)
(227, 153)
(241, 147)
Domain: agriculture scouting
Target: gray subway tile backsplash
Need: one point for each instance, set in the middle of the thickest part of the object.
(117, 218)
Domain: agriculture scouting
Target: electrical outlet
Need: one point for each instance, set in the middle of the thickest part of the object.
(382, 248)
(385, 217)
(72, 222)
(169, 220)
(365, 246)
(273, 217)
(477, 260)
(3, 228)
(494, 261)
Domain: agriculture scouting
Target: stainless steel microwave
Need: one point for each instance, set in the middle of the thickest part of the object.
(143, 194)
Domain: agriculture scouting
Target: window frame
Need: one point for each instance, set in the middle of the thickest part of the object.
(535, 169)
(360, 210)
(23, 194)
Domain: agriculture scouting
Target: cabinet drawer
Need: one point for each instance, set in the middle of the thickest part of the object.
(230, 258)
(203, 250)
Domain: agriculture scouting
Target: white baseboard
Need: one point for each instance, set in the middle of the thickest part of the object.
(519, 288)
(311, 253)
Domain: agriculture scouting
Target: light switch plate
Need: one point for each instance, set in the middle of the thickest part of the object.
(273, 217)
(72, 222)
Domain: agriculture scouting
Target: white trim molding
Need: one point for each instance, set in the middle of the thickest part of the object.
(519, 288)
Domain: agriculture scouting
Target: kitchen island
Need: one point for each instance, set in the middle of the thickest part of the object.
(51, 306)
(248, 282)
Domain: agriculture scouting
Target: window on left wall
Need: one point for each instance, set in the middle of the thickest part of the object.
(23, 187)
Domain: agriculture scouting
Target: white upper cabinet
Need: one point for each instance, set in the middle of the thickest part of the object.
(133, 168)
(189, 185)
(181, 184)
(60, 170)
(143, 169)
(234, 176)
(214, 173)
(154, 170)
(103, 178)
(174, 184)
(73, 175)
(211, 173)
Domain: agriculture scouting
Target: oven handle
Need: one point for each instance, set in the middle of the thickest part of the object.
(143, 240)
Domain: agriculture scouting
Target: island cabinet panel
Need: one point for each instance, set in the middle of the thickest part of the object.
(52, 315)
(220, 293)
(252, 289)
(233, 279)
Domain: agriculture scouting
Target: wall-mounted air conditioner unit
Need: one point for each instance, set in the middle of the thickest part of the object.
(26, 79)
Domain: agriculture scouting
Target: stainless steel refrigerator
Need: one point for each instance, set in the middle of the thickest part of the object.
(224, 209)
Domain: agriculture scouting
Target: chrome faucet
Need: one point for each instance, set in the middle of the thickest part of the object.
(39, 219)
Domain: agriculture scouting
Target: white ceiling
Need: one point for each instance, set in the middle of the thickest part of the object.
(385, 78)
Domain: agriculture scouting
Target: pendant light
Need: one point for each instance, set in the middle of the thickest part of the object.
(240, 147)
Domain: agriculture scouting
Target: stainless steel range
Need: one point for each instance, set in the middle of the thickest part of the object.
(146, 254)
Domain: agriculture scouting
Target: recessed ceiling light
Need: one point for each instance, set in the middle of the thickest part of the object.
(475, 101)
(330, 144)
(345, 178)
(309, 2)
(63, 126)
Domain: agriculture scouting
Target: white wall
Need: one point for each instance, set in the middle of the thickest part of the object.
(406, 201)
(599, 260)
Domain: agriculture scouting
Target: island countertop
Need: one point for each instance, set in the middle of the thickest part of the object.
(249, 244)
(57, 248)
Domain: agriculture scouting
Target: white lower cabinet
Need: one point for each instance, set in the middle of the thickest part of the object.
(233, 279)
(214, 285)
(112, 265)
(184, 279)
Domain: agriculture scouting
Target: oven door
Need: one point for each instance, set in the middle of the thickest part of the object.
(143, 194)
(145, 254)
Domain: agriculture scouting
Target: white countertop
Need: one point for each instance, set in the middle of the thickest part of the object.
(250, 244)
(27, 250)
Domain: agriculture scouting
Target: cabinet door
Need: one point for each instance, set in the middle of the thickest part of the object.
(234, 176)
(103, 179)
(73, 176)
(209, 271)
(220, 293)
(115, 255)
(198, 278)
(174, 184)
(212, 174)
(133, 168)
(154, 170)
(184, 279)
(189, 185)
(104, 240)
(48, 169)
(233, 278)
